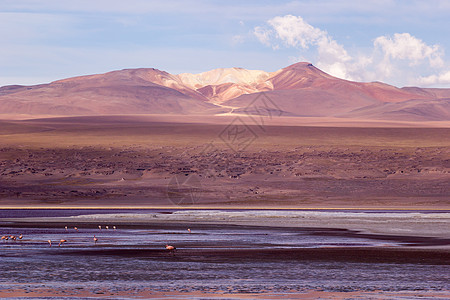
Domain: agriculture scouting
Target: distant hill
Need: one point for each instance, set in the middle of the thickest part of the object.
(297, 90)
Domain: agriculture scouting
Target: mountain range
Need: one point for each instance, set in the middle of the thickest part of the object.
(300, 90)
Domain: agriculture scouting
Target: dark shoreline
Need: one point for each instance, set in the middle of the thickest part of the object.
(401, 255)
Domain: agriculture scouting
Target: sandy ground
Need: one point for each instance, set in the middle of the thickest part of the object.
(225, 119)
(150, 162)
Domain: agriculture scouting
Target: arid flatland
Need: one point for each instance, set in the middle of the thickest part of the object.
(121, 161)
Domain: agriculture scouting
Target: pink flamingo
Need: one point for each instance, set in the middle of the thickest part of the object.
(50, 243)
(95, 240)
(171, 249)
(61, 242)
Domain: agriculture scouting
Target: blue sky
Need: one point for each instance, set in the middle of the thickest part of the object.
(398, 42)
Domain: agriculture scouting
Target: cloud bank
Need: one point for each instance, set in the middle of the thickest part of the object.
(389, 57)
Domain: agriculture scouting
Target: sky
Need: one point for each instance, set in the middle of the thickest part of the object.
(403, 43)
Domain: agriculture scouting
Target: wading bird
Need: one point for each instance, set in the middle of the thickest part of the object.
(95, 240)
(4, 238)
(20, 236)
(65, 228)
(50, 243)
(114, 227)
(189, 230)
(171, 249)
(75, 228)
(100, 227)
(61, 242)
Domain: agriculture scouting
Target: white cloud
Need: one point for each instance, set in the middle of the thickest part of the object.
(263, 35)
(442, 78)
(398, 59)
(295, 32)
(333, 58)
(407, 47)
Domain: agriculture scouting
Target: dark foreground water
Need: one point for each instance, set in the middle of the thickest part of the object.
(213, 258)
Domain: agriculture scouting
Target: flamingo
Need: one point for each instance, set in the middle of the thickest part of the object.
(189, 230)
(95, 240)
(50, 243)
(61, 242)
(100, 227)
(20, 236)
(75, 228)
(65, 228)
(107, 227)
(13, 237)
(114, 227)
(171, 249)
(4, 237)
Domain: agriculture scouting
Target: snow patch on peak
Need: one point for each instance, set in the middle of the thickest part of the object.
(224, 75)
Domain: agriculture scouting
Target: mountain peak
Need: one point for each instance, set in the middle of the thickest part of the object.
(307, 68)
(300, 89)
(301, 64)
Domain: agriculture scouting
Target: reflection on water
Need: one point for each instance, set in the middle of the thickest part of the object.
(278, 276)
(77, 262)
(241, 237)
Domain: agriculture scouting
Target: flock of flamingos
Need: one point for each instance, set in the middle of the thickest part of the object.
(14, 238)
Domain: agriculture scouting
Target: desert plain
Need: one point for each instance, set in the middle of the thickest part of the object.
(242, 161)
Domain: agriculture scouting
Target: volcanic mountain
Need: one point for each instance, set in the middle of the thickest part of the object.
(297, 90)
